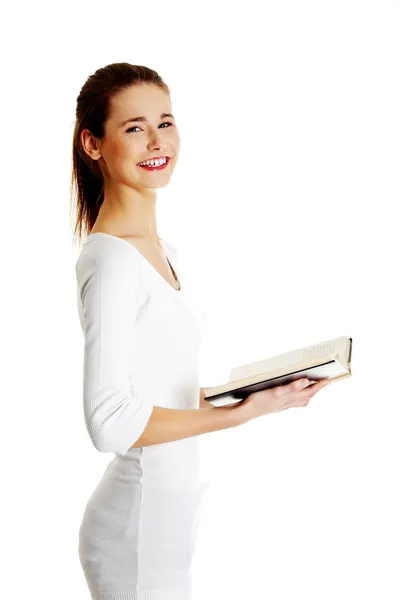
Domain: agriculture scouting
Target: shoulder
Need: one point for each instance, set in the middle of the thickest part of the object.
(105, 252)
(107, 268)
(107, 259)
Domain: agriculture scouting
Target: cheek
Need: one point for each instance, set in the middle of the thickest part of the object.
(175, 141)
(119, 159)
(123, 153)
(176, 137)
(115, 150)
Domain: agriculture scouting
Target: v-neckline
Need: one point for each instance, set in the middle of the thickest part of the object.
(171, 264)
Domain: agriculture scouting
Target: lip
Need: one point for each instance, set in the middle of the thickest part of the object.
(160, 168)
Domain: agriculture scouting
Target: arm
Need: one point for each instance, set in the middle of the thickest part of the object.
(169, 424)
(108, 285)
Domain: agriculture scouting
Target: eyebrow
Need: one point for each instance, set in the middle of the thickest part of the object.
(162, 116)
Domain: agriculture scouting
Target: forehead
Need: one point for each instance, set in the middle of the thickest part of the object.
(139, 100)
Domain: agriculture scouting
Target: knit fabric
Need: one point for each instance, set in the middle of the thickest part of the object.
(141, 346)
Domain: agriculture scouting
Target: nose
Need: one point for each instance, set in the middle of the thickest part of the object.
(156, 142)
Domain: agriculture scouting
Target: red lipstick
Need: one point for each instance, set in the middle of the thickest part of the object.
(154, 168)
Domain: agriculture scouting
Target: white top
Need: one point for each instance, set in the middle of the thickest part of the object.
(141, 349)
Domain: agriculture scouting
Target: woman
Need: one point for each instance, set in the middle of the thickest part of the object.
(141, 394)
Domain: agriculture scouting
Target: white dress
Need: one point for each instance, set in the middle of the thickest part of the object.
(141, 345)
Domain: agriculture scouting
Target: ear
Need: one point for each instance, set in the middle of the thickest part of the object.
(90, 145)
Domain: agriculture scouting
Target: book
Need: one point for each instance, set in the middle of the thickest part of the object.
(330, 359)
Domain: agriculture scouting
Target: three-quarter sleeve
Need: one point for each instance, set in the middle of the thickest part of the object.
(108, 286)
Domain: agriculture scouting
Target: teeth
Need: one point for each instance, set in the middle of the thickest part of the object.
(154, 163)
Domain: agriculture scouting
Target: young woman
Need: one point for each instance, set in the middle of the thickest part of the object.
(141, 394)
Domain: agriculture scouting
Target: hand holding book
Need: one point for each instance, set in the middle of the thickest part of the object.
(272, 400)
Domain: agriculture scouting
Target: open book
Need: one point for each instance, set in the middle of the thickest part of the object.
(326, 360)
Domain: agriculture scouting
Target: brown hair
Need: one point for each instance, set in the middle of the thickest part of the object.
(93, 106)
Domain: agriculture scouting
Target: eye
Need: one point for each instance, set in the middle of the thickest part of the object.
(136, 127)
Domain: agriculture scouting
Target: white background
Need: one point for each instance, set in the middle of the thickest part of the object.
(283, 210)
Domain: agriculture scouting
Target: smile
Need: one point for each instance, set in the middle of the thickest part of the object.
(155, 167)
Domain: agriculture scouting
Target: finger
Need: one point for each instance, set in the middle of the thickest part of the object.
(307, 392)
(319, 384)
(299, 384)
(304, 393)
(289, 388)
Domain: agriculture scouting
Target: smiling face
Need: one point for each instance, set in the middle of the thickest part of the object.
(140, 127)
